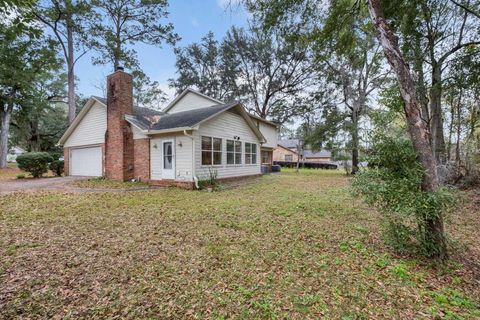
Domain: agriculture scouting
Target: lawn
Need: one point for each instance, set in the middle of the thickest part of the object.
(285, 246)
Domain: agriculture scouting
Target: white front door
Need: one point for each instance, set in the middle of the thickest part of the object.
(168, 159)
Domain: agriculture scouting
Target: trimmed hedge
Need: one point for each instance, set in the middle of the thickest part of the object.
(36, 163)
(57, 167)
(311, 165)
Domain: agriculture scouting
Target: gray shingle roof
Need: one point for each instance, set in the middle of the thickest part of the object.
(188, 118)
(140, 112)
(292, 144)
(289, 143)
(319, 154)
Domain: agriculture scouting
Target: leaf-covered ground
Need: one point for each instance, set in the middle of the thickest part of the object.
(100, 183)
(284, 246)
(10, 172)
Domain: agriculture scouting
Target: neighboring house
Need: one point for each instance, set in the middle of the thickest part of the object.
(192, 136)
(319, 156)
(13, 153)
(287, 150)
(282, 153)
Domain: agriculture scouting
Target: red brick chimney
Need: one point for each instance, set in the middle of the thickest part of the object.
(119, 137)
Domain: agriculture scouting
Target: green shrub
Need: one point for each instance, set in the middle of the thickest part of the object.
(20, 176)
(56, 155)
(57, 167)
(392, 183)
(34, 162)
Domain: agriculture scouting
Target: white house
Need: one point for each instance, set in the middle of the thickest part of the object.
(192, 136)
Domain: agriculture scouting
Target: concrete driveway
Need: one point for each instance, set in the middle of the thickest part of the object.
(58, 183)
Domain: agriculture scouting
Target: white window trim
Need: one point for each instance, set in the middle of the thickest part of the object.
(242, 153)
(221, 152)
(251, 153)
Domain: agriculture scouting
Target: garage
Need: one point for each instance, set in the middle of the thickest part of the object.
(86, 162)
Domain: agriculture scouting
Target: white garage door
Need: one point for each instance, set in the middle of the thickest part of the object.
(86, 162)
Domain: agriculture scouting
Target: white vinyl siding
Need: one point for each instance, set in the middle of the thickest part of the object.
(137, 134)
(226, 126)
(191, 101)
(92, 128)
(270, 133)
(183, 157)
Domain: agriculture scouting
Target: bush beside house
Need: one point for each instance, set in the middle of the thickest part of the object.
(36, 163)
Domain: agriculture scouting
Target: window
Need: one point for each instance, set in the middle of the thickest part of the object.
(266, 157)
(250, 153)
(211, 151)
(234, 152)
(288, 157)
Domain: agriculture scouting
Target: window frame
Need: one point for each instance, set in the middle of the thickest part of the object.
(251, 154)
(290, 156)
(212, 151)
(234, 152)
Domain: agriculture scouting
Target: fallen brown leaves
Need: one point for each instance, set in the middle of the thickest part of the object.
(288, 246)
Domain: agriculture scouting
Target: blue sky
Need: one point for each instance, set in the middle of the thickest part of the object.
(192, 19)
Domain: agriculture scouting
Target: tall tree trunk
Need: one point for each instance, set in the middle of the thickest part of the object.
(355, 140)
(450, 131)
(417, 129)
(5, 115)
(459, 130)
(421, 89)
(436, 126)
(71, 76)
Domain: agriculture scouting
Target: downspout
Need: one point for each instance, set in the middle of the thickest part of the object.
(195, 179)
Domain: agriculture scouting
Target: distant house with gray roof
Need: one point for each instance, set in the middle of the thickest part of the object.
(288, 150)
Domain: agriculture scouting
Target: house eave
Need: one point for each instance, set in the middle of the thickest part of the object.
(179, 129)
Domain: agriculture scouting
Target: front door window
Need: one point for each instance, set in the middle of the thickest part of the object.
(167, 155)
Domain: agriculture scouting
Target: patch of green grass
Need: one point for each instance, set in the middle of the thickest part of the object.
(289, 246)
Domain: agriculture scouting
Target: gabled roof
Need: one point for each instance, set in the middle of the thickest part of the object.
(138, 112)
(190, 90)
(289, 143)
(190, 120)
(288, 149)
(151, 121)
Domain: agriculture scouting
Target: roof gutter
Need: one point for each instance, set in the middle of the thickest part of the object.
(150, 132)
